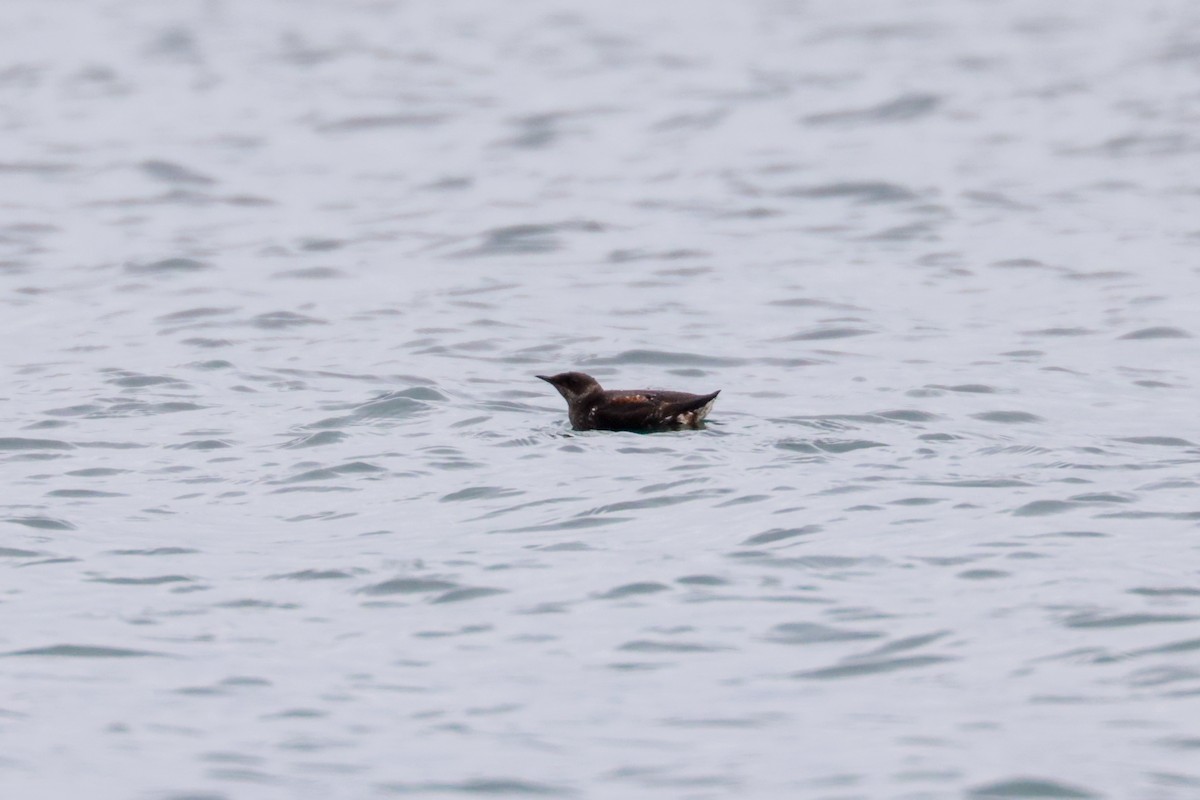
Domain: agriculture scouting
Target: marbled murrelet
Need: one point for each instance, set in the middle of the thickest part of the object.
(640, 410)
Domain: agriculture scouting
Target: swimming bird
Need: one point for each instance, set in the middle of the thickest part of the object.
(640, 410)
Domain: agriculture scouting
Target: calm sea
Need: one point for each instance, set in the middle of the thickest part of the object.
(285, 513)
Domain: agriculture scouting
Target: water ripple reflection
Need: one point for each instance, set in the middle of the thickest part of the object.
(286, 512)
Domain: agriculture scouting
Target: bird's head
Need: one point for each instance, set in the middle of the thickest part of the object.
(572, 385)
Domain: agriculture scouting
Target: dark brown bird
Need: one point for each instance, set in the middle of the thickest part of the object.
(640, 410)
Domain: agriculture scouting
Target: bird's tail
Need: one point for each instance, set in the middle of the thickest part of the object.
(692, 404)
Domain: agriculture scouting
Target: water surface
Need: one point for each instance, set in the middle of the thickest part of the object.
(286, 513)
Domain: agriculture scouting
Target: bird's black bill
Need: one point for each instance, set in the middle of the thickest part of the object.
(545, 378)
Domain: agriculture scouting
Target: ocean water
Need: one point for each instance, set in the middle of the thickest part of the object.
(285, 513)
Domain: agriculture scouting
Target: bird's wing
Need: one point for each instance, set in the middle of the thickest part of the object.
(627, 411)
(635, 410)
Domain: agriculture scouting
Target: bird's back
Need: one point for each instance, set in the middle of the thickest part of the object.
(650, 409)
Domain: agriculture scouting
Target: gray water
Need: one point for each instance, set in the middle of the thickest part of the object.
(285, 513)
